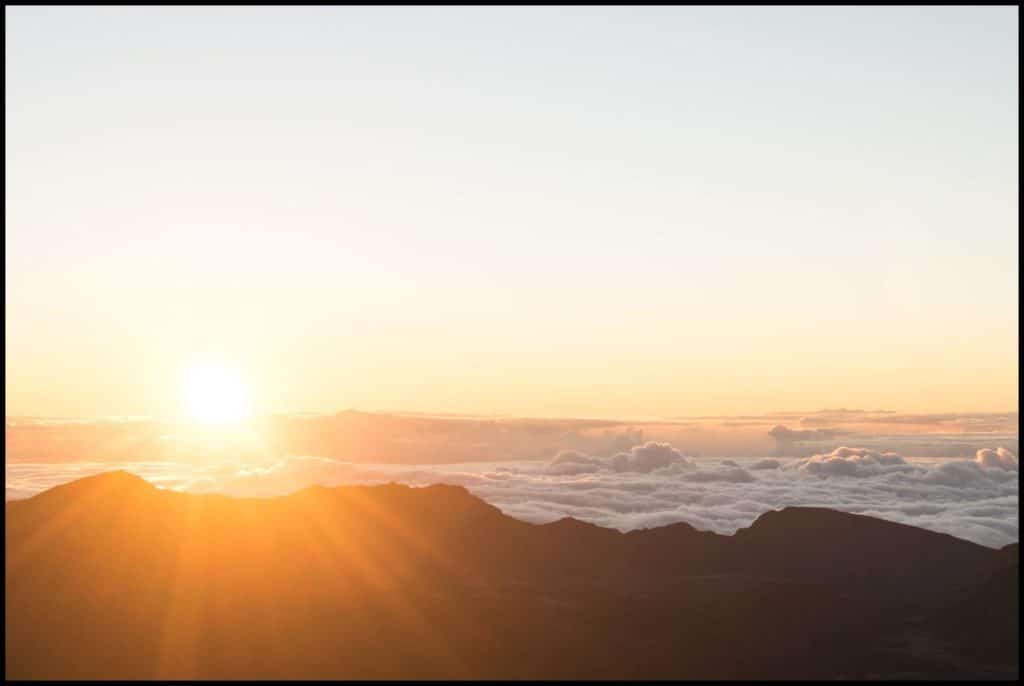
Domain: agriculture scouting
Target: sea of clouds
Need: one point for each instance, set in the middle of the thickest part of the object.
(649, 485)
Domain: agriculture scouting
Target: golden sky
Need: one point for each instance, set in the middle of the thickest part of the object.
(354, 208)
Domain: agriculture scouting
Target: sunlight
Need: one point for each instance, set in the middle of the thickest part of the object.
(214, 395)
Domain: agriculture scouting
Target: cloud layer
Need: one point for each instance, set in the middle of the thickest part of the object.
(643, 459)
(649, 485)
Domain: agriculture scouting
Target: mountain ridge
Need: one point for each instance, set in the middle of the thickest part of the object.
(122, 479)
(112, 577)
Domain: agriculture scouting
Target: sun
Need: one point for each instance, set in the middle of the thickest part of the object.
(215, 395)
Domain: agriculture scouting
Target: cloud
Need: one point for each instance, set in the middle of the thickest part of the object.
(648, 457)
(734, 475)
(1000, 458)
(766, 463)
(785, 434)
(964, 473)
(853, 462)
(644, 458)
(572, 462)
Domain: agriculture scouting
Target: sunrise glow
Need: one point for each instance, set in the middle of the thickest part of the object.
(215, 395)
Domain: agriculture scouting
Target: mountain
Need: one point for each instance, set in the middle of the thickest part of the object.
(110, 577)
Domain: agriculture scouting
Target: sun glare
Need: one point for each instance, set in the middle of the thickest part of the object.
(214, 395)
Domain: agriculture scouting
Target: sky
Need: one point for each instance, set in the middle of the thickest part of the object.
(535, 211)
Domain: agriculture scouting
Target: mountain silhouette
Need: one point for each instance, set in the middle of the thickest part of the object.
(109, 577)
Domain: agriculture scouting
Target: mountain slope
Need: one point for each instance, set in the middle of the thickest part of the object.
(110, 577)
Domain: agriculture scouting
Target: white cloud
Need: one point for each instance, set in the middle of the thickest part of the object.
(572, 462)
(853, 462)
(1000, 458)
(729, 474)
(644, 458)
(766, 463)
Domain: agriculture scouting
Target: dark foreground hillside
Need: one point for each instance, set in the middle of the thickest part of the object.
(111, 578)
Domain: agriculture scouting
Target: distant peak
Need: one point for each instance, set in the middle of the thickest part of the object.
(674, 527)
(114, 482)
(572, 523)
(799, 515)
(117, 476)
(121, 474)
(452, 489)
(441, 494)
(794, 511)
